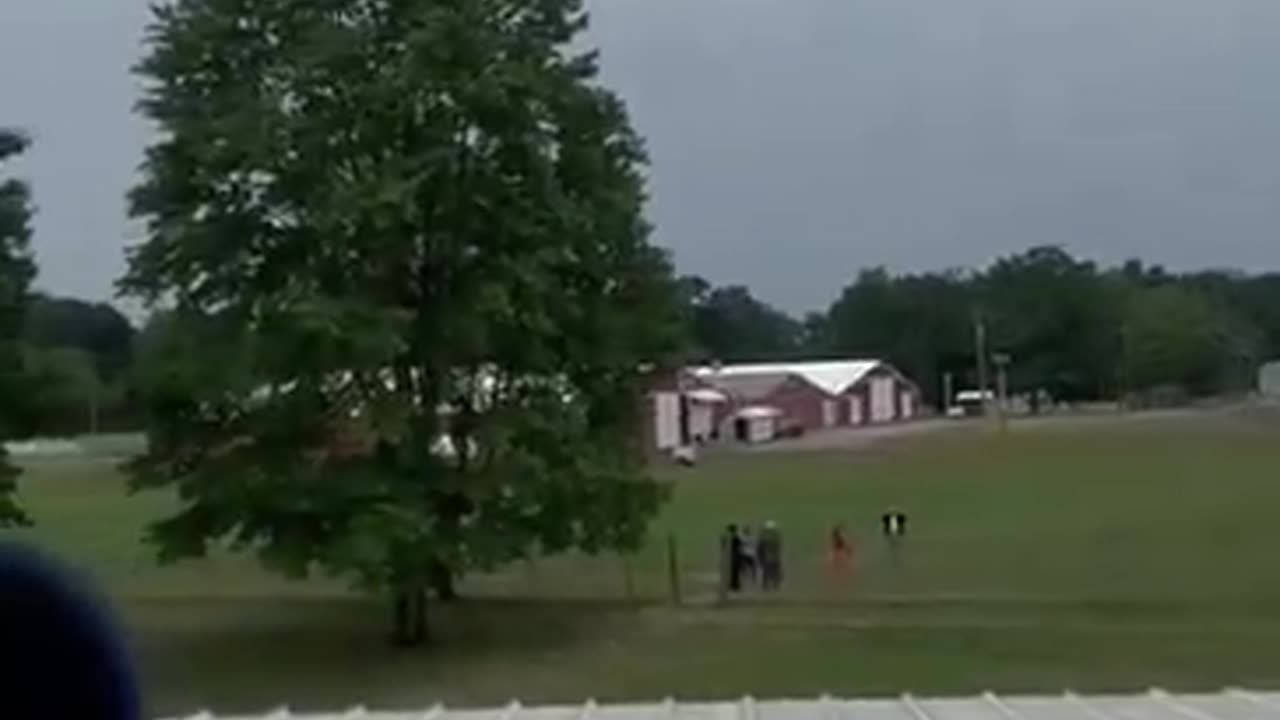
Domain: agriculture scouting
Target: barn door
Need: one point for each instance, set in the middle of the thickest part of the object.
(908, 405)
(882, 401)
(829, 411)
(855, 410)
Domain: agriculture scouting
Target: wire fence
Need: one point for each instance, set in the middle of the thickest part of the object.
(679, 572)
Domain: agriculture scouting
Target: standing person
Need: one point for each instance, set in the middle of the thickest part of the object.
(750, 562)
(893, 524)
(732, 548)
(840, 551)
(769, 553)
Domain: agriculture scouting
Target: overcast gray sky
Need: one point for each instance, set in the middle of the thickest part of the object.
(796, 141)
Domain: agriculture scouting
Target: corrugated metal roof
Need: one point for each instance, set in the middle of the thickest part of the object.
(1153, 705)
(707, 396)
(833, 376)
(746, 387)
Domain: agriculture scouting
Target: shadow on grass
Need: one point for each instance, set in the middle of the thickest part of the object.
(237, 655)
(252, 655)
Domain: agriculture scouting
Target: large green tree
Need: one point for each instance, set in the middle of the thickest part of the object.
(1173, 338)
(923, 324)
(730, 325)
(411, 287)
(1058, 319)
(94, 328)
(17, 269)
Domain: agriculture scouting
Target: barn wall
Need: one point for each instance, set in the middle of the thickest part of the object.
(658, 382)
(861, 393)
(800, 403)
(854, 395)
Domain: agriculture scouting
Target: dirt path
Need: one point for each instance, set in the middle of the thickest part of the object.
(864, 437)
(858, 438)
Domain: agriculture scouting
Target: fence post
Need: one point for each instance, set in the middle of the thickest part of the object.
(724, 568)
(673, 568)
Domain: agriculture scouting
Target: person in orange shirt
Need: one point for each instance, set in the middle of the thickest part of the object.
(840, 553)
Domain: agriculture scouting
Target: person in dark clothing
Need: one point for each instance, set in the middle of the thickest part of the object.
(893, 524)
(731, 545)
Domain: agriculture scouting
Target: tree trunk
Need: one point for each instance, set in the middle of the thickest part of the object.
(409, 617)
(418, 626)
(442, 582)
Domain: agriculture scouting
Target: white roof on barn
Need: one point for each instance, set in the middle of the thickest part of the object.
(1153, 705)
(833, 376)
(707, 396)
(758, 412)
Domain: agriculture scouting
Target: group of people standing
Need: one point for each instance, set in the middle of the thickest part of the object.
(752, 557)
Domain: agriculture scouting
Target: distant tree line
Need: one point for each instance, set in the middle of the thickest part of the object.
(1075, 330)
(1070, 328)
(80, 359)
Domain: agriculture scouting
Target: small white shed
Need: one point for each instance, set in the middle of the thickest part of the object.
(756, 423)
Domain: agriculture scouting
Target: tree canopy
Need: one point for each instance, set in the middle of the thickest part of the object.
(1074, 330)
(728, 324)
(17, 269)
(411, 287)
(97, 329)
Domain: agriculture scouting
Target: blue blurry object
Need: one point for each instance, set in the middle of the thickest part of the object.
(60, 653)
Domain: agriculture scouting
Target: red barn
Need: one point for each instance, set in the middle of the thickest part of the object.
(757, 402)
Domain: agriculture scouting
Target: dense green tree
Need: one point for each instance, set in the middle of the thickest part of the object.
(1079, 332)
(80, 354)
(17, 269)
(411, 286)
(923, 324)
(95, 328)
(1057, 318)
(815, 335)
(1258, 302)
(68, 394)
(1172, 338)
(730, 325)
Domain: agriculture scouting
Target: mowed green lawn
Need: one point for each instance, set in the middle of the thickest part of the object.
(1112, 556)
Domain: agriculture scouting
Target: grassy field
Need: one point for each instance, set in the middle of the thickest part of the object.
(1105, 557)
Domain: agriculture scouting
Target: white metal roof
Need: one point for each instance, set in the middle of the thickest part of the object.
(758, 412)
(833, 376)
(1153, 705)
(707, 396)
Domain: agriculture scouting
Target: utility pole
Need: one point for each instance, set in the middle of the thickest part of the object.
(980, 349)
(948, 393)
(1002, 388)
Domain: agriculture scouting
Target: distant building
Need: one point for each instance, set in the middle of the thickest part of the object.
(758, 402)
(1269, 380)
